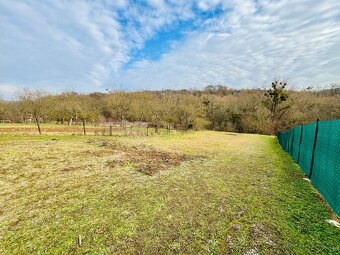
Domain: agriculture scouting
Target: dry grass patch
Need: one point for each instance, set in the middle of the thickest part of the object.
(245, 197)
(145, 159)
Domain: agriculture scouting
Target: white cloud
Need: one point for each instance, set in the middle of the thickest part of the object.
(8, 91)
(56, 43)
(250, 45)
(83, 45)
(77, 44)
(8, 88)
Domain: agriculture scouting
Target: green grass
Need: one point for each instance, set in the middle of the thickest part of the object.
(239, 194)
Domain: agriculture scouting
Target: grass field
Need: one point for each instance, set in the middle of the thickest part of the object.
(191, 193)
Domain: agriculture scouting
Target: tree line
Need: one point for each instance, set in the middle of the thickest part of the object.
(262, 111)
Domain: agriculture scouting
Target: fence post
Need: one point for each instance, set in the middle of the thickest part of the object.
(110, 129)
(315, 138)
(298, 159)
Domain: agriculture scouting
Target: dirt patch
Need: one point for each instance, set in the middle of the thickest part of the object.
(151, 161)
(252, 252)
(240, 213)
(71, 169)
(144, 159)
(262, 236)
(262, 233)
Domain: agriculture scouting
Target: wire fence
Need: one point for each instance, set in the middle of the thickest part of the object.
(103, 129)
(315, 147)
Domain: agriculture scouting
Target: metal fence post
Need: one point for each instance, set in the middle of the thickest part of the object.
(315, 138)
(298, 159)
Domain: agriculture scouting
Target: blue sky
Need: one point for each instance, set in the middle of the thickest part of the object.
(123, 44)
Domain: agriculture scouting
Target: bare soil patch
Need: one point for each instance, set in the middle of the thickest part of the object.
(144, 159)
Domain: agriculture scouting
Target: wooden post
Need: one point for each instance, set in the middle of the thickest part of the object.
(110, 129)
(314, 145)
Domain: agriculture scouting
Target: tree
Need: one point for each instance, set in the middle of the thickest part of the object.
(216, 111)
(61, 108)
(215, 107)
(188, 112)
(118, 105)
(171, 104)
(3, 109)
(86, 110)
(71, 106)
(33, 104)
(274, 102)
(156, 113)
(334, 88)
(140, 105)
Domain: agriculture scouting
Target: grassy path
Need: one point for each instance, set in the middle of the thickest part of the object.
(240, 194)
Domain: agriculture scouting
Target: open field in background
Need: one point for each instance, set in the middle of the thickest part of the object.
(184, 193)
(76, 129)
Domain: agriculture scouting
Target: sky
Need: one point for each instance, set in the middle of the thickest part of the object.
(86, 46)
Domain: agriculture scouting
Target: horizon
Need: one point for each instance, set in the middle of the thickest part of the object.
(203, 90)
(158, 45)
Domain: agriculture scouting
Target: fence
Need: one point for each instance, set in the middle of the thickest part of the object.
(315, 147)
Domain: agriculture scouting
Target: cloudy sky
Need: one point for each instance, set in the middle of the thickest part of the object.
(132, 45)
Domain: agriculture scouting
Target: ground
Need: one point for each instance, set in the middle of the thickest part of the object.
(184, 193)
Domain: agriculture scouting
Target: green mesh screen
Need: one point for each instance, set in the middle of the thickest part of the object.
(326, 167)
(325, 173)
(306, 148)
(296, 143)
(290, 141)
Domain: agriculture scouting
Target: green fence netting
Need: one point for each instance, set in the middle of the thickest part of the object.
(306, 148)
(316, 148)
(296, 143)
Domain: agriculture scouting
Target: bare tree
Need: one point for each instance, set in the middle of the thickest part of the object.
(215, 107)
(32, 102)
(334, 88)
(3, 109)
(87, 110)
(118, 105)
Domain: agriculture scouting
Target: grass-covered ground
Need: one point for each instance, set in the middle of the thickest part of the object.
(192, 193)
